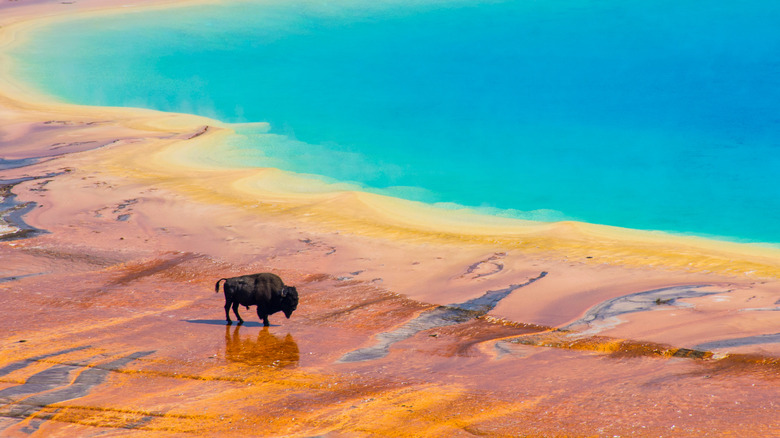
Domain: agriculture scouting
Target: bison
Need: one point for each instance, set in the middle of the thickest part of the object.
(266, 291)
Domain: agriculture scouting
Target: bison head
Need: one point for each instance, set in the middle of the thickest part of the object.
(289, 300)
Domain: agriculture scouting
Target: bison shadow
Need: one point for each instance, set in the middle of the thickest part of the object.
(222, 322)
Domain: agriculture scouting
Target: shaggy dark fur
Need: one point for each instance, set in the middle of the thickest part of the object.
(266, 291)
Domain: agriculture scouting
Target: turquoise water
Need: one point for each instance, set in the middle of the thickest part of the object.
(659, 115)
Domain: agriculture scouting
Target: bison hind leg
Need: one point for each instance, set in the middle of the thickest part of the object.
(235, 311)
(227, 313)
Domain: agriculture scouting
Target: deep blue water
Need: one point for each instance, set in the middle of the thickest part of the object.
(660, 115)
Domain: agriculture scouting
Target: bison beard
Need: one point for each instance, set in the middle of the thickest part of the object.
(266, 291)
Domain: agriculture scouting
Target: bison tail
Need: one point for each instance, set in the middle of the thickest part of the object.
(216, 286)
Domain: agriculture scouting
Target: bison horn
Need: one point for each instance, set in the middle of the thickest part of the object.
(284, 291)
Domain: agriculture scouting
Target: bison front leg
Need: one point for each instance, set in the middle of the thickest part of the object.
(263, 316)
(235, 310)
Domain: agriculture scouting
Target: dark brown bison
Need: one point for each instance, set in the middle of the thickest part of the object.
(266, 291)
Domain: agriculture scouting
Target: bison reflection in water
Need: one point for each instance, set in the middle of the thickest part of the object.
(266, 291)
(266, 350)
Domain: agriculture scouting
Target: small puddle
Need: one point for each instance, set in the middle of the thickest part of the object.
(18, 277)
(441, 316)
(15, 164)
(12, 211)
(8, 369)
(773, 338)
(41, 389)
(605, 315)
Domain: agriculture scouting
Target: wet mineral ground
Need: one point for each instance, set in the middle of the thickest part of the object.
(99, 345)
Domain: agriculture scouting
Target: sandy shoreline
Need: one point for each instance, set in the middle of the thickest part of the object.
(139, 225)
